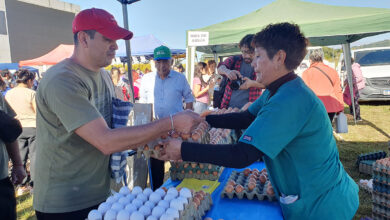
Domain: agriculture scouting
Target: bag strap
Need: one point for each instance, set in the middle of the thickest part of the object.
(324, 74)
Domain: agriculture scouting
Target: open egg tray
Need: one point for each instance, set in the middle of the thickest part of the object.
(259, 192)
(370, 156)
(201, 171)
(380, 212)
(196, 207)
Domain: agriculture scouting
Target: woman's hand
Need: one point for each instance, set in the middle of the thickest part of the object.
(17, 174)
(248, 83)
(171, 150)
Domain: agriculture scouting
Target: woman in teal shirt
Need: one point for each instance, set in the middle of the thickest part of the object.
(289, 127)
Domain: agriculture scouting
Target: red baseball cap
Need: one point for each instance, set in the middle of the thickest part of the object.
(100, 21)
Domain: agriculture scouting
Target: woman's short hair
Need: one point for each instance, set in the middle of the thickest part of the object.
(24, 75)
(316, 55)
(283, 36)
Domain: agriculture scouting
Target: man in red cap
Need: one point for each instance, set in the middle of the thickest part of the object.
(74, 139)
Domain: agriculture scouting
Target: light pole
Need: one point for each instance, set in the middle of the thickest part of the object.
(127, 42)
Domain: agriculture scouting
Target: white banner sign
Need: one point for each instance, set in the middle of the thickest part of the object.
(198, 38)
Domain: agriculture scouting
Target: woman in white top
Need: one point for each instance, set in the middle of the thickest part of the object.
(22, 99)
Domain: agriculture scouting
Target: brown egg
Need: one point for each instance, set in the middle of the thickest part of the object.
(201, 165)
(206, 172)
(262, 179)
(178, 189)
(157, 147)
(202, 192)
(239, 188)
(146, 147)
(199, 196)
(198, 172)
(251, 186)
(185, 136)
(193, 165)
(164, 188)
(253, 180)
(247, 171)
(164, 136)
(263, 170)
(255, 173)
(183, 172)
(231, 182)
(229, 188)
(196, 201)
(255, 170)
(185, 165)
(215, 173)
(208, 218)
(270, 191)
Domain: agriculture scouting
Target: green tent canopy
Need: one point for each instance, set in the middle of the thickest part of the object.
(322, 24)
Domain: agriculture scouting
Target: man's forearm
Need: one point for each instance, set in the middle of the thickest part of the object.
(223, 70)
(109, 141)
(13, 153)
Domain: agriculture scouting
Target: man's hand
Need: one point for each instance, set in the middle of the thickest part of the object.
(233, 75)
(17, 174)
(186, 121)
(172, 150)
(248, 83)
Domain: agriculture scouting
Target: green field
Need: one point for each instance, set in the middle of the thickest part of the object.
(371, 134)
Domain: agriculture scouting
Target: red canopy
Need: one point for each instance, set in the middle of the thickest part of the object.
(53, 57)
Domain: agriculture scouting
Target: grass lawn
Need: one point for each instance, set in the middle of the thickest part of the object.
(371, 134)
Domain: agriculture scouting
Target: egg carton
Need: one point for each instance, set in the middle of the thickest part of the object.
(202, 171)
(381, 187)
(380, 200)
(197, 209)
(382, 166)
(370, 156)
(259, 191)
(148, 151)
(380, 212)
(365, 166)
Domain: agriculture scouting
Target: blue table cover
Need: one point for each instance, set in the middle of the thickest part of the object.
(237, 209)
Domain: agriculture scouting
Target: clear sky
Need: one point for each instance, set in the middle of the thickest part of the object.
(168, 20)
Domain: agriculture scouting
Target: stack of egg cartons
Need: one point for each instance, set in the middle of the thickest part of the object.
(381, 189)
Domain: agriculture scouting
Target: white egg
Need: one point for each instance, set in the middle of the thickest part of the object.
(161, 192)
(142, 197)
(163, 203)
(151, 217)
(136, 190)
(158, 211)
(117, 206)
(147, 192)
(110, 215)
(177, 204)
(124, 201)
(111, 200)
(137, 203)
(185, 192)
(94, 215)
(145, 210)
(137, 216)
(123, 215)
(104, 207)
(130, 208)
(124, 190)
(155, 197)
(174, 212)
(149, 204)
(117, 196)
(173, 191)
(131, 197)
(169, 197)
(183, 200)
(167, 217)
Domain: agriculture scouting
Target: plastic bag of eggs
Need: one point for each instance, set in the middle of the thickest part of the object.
(139, 204)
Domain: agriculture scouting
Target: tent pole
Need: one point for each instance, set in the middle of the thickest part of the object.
(347, 61)
(128, 52)
(216, 61)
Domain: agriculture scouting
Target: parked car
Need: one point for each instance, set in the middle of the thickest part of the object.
(375, 66)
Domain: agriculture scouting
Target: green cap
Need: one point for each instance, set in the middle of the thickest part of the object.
(162, 53)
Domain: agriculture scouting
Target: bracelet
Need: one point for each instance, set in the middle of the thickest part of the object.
(172, 128)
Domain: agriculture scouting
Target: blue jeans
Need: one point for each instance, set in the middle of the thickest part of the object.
(199, 107)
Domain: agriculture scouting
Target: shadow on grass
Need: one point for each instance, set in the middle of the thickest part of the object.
(365, 122)
(23, 197)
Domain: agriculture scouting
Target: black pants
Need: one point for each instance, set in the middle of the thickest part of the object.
(157, 167)
(7, 200)
(331, 116)
(76, 215)
(26, 142)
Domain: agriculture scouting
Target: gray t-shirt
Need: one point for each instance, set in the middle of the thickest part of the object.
(3, 150)
(240, 97)
(70, 174)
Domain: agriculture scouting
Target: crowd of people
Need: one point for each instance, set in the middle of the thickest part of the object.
(62, 132)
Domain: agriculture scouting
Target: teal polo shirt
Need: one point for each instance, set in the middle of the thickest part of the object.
(293, 131)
